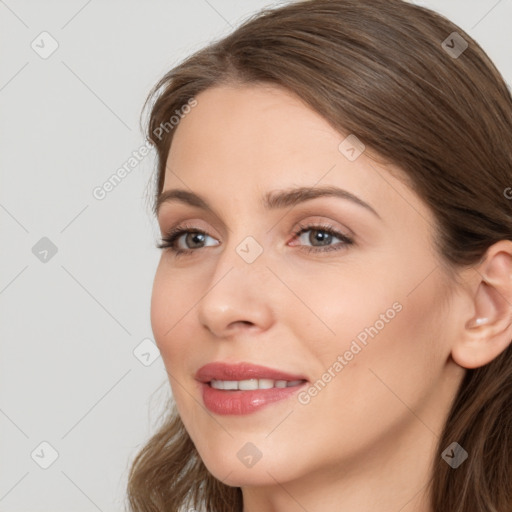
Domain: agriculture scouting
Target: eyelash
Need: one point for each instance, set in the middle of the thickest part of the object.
(168, 241)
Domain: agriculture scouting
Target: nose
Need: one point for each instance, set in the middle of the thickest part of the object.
(238, 296)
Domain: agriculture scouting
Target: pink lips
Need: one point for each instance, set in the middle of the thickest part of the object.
(240, 402)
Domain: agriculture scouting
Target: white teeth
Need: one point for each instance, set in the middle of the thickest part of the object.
(248, 385)
(252, 384)
(265, 383)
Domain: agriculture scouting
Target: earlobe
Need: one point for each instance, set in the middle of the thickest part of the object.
(475, 322)
(488, 332)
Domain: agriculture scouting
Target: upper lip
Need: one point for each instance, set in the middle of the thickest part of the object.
(242, 371)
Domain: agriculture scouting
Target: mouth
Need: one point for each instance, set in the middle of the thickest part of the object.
(244, 388)
(253, 384)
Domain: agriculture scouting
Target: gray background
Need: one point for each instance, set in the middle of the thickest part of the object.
(72, 320)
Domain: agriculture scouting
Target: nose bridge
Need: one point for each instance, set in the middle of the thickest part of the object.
(244, 246)
(242, 261)
(236, 291)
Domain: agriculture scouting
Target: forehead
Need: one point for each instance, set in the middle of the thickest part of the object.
(244, 120)
(250, 139)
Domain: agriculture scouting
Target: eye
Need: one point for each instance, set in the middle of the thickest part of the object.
(195, 238)
(323, 235)
(191, 236)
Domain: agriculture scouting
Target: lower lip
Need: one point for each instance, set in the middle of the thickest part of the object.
(239, 402)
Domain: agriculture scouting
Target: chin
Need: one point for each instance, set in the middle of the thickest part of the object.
(241, 463)
(235, 475)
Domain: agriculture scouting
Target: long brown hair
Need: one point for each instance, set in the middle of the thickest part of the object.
(396, 76)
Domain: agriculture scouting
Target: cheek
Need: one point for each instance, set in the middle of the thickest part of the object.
(160, 306)
(371, 397)
(390, 340)
(377, 306)
(404, 360)
(339, 307)
(168, 316)
(169, 325)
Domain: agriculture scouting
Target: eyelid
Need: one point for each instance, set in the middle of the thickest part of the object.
(193, 224)
(189, 214)
(312, 216)
(307, 219)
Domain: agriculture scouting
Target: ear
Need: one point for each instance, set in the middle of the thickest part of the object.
(487, 330)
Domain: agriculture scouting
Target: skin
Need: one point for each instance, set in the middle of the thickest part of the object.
(366, 441)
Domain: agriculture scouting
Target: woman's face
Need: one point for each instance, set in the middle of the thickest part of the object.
(356, 314)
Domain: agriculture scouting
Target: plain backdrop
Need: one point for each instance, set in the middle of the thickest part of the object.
(81, 381)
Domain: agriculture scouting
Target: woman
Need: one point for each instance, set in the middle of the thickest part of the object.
(333, 302)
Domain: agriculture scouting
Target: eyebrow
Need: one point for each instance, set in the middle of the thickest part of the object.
(271, 201)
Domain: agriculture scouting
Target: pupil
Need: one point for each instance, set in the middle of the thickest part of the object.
(322, 236)
(193, 237)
